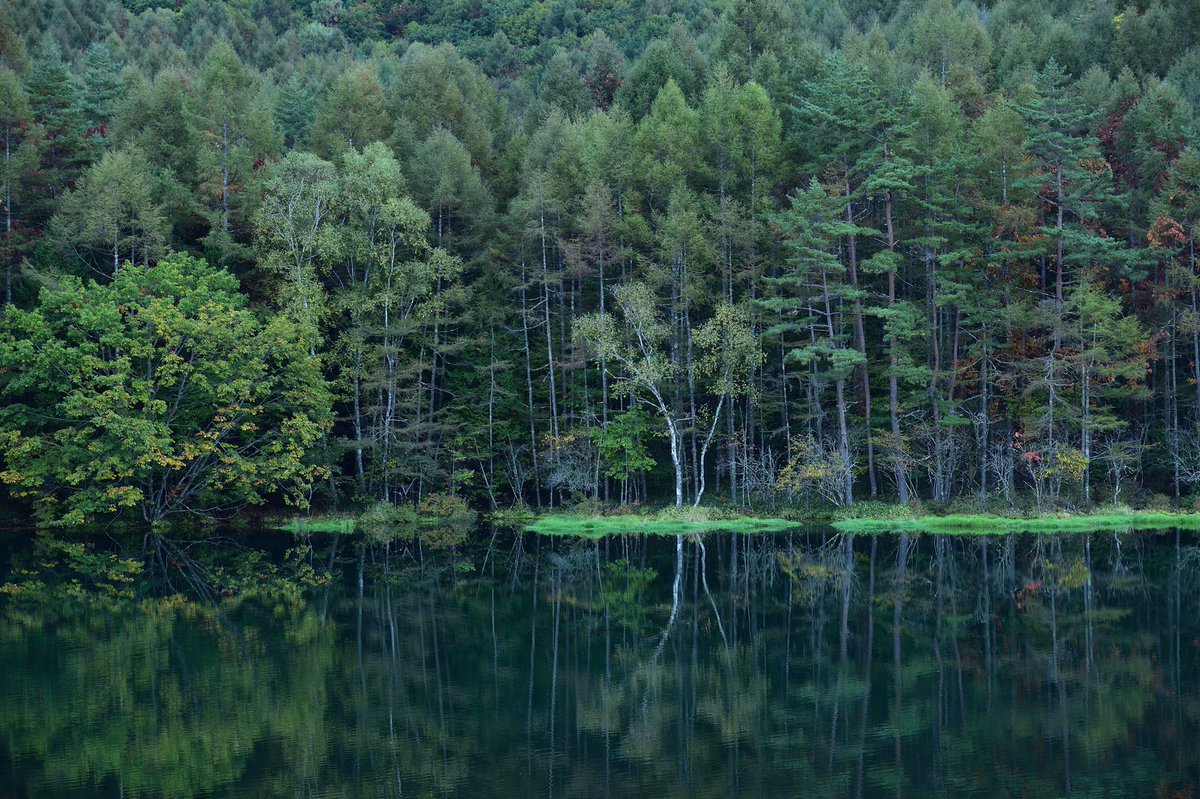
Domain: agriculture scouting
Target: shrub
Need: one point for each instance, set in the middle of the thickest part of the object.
(874, 509)
(444, 520)
(384, 522)
(444, 506)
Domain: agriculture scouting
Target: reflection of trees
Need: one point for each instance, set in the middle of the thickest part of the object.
(159, 698)
(821, 664)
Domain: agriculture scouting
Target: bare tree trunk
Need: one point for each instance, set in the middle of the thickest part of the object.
(700, 468)
(860, 340)
(840, 385)
(893, 364)
(603, 361)
(676, 460)
(537, 489)
(1195, 330)
(549, 330)
(358, 425)
(8, 225)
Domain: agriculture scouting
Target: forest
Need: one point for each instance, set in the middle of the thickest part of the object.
(549, 253)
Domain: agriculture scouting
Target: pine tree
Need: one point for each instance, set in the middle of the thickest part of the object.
(294, 109)
(447, 185)
(387, 285)
(942, 40)
(235, 134)
(102, 90)
(812, 293)
(946, 240)
(113, 215)
(1075, 182)
(437, 88)
(561, 86)
(1105, 355)
(157, 119)
(665, 144)
(353, 114)
(888, 177)
(22, 141)
(12, 48)
(55, 101)
(663, 60)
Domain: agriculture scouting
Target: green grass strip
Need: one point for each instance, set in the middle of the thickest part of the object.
(317, 524)
(600, 526)
(1003, 525)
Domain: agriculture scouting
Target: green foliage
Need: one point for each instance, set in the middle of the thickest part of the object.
(664, 61)
(352, 115)
(811, 470)
(444, 521)
(102, 90)
(874, 511)
(1085, 523)
(54, 99)
(115, 213)
(76, 569)
(19, 180)
(813, 282)
(443, 506)
(302, 525)
(837, 251)
(235, 132)
(600, 526)
(166, 396)
(621, 442)
(623, 592)
(293, 109)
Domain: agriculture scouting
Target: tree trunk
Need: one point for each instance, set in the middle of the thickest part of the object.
(537, 489)
(549, 330)
(700, 468)
(840, 385)
(8, 223)
(676, 460)
(893, 364)
(860, 340)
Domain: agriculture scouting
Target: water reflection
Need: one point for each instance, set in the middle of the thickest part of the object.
(812, 664)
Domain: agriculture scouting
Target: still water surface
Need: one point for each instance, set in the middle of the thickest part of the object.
(811, 664)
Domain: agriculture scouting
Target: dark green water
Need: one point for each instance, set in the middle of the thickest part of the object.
(805, 665)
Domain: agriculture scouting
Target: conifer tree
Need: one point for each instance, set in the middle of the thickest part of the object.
(22, 141)
(663, 147)
(811, 299)
(102, 92)
(113, 215)
(55, 101)
(353, 114)
(236, 134)
(1074, 181)
(294, 109)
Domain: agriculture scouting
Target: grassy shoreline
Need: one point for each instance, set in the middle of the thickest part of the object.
(636, 524)
(990, 524)
(890, 521)
(882, 520)
(315, 524)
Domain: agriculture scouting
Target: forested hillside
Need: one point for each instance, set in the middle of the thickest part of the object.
(773, 251)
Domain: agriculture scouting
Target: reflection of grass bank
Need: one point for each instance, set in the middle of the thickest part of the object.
(964, 524)
(661, 524)
(440, 520)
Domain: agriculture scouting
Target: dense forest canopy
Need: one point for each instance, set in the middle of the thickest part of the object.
(761, 251)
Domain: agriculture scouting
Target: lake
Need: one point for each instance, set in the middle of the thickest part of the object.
(807, 663)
